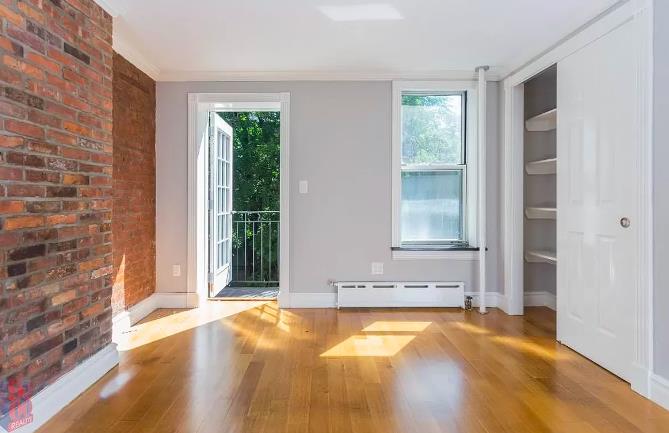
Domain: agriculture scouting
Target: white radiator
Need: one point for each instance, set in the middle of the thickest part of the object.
(400, 294)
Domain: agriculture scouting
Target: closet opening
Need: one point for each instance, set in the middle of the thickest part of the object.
(540, 190)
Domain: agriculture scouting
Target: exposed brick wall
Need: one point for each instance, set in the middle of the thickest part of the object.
(55, 191)
(134, 185)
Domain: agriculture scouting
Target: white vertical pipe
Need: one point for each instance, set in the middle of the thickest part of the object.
(482, 169)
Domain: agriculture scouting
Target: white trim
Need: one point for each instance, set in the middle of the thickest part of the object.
(199, 103)
(471, 255)
(540, 299)
(127, 48)
(513, 202)
(313, 300)
(659, 390)
(59, 394)
(106, 5)
(472, 154)
(176, 300)
(640, 13)
(320, 75)
(643, 314)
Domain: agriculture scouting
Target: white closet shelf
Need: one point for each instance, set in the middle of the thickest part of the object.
(544, 166)
(541, 213)
(543, 122)
(541, 257)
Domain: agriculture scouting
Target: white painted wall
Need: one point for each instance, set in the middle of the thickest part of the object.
(660, 182)
(341, 143)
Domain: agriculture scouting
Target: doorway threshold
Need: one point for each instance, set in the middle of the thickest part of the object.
(248, 293)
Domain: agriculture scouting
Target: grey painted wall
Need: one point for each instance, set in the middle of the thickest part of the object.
(341, 143)
(661, 181)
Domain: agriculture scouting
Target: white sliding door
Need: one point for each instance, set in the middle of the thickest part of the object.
(220, 203)
(598, 177)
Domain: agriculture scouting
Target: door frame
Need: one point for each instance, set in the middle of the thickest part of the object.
(640, 13)
(199, 104)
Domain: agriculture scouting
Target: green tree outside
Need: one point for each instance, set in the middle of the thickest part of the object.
(255, 186)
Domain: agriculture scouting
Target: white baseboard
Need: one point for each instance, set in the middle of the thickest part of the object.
(59, 394)
(176, 300)
(540, 299)
(659, 390)
(313, 300)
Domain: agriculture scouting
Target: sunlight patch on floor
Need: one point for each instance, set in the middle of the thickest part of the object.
(116, 384)
(383, 326)
(369, 345)
(520, 344)
(471, 328)
(151, 331)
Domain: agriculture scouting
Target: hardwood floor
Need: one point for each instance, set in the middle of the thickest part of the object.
(249, 367)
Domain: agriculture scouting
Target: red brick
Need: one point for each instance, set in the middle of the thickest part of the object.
(53, 220)
(7, 173)
(75, 179)
(23, 128)
(75, 102)
(63, 297)
(11, 16)
(11, 141)
(23, 67)
(43, 62)
(23, 222)
(32, 13)
(12, 206)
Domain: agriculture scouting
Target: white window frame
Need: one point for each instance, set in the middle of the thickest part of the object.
(471, 169)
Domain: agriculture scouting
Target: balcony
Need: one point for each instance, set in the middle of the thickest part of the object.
(255, 249)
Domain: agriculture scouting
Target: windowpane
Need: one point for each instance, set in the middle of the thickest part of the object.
(432, 129)
(432, 206)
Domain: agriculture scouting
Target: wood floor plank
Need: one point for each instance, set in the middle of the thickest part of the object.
(252, 368)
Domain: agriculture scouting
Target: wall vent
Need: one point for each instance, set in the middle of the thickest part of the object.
(400, 294)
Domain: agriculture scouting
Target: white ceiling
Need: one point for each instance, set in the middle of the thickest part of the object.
(177, 38)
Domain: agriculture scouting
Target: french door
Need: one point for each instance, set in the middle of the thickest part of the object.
(598, 183)
(220, 204)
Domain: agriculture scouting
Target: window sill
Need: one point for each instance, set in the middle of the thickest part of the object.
(440, 253)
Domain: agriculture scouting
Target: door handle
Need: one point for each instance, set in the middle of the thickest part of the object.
(625, 222)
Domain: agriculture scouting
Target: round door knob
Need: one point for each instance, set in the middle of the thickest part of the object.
(625, 222)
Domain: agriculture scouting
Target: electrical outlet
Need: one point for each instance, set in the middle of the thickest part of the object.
(377, 268)
(176, 270)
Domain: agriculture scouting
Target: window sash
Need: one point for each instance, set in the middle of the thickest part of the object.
(463, 116)
(436, 168)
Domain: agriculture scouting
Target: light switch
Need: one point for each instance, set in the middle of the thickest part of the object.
(377, 268)
(304, 187)
(176, 270)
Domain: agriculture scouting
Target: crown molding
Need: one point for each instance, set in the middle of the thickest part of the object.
(320, 75)
(125, 47)
(106, 5)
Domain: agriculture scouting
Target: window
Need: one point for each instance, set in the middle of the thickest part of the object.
(432, 181)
